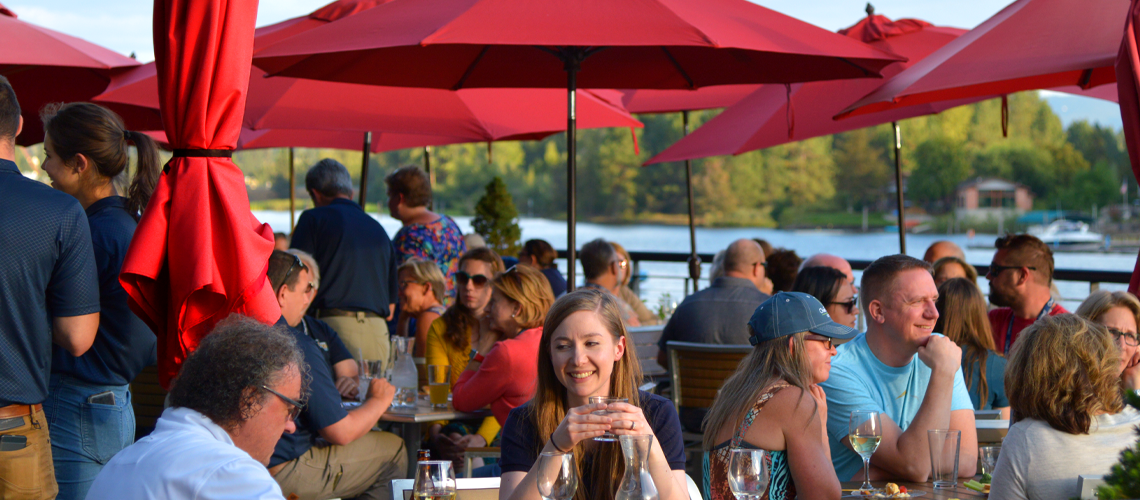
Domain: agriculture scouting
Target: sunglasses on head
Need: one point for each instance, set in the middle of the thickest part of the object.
(296, 262)
(849, 305)
(462, 277)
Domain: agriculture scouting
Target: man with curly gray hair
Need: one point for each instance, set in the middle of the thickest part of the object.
(236, 395)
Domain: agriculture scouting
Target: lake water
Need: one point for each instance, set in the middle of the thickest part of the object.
(667, 278)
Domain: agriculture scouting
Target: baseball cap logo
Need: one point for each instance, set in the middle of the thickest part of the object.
(823, 312)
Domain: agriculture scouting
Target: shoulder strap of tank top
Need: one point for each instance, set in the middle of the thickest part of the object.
(755, 410)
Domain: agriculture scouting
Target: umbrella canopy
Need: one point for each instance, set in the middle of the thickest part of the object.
(399, 117)
(268, 35)
(676, 101)
(198, 253)
(1128, 85)
(643, 44)
(761, 119)
(1030, 44)
(47, 66)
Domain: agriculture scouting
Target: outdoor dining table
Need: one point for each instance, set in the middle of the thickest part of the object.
(408, 421)
(958, 491)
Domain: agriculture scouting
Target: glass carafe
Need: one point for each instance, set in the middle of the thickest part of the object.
(404, 375)
(636, 484)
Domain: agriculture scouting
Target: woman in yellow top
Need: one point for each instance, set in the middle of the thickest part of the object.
(449, 343)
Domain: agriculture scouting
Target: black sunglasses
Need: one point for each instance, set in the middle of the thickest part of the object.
(297, 405)
(462, 277)
(1130, 339)
(996, 269)
(296, 262)
(850, 305)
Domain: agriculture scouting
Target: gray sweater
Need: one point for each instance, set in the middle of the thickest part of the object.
(1042, 463)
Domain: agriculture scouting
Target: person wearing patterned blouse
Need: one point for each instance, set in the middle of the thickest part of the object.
(774, 402)
(426, 234)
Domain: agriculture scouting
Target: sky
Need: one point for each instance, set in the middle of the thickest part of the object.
(125, 26)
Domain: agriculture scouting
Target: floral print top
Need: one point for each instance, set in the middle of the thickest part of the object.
(441, 241)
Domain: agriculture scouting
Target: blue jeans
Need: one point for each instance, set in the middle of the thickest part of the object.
(84, 436)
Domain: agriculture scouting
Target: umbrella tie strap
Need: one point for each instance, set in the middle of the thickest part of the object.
(1005, 116)
(198, 153)
(790, 114)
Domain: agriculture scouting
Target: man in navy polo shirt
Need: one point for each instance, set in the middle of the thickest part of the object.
(51, 294)
(355, 462)
(358, 292)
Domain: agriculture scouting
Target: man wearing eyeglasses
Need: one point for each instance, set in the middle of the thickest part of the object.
(333, 453)
(604, 269)
(237, 393)
(1019, 276)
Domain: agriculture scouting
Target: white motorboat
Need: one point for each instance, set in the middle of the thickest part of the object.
(1068, 234)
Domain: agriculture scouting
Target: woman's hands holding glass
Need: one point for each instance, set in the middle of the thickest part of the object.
(580, 424)
(628, 420)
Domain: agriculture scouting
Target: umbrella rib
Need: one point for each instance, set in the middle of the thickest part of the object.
(471, 68)
(860, 68)
(678, 66)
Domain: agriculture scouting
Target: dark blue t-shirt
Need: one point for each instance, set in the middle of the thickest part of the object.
(521, 444)
(995, 382)
(327, 339)
(557, 282)
(358, 268)
(47, 269)
(124, 344)
(322, 409)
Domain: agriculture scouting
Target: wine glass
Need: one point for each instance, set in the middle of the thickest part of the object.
(748, 473)
(435, 480)
(865, 430)
(557, 475)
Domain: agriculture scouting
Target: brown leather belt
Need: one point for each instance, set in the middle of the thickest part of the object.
(322, 313)
(12, 411)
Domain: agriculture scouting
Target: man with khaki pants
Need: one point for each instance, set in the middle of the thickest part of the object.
(51, 294)
(358, 266)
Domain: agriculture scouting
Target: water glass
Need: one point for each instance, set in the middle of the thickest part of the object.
(988, 457)
(557, 475)
(748, 473)
(439, 384)
(369, 369)
(944, 448)
(435, 480)
(608, 437)
(864, 431)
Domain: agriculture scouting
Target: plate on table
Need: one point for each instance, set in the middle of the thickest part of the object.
(880, 494)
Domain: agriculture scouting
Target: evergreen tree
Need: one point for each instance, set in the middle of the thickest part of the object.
(496, 218)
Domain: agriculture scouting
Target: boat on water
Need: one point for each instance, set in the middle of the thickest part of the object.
(1065, 234)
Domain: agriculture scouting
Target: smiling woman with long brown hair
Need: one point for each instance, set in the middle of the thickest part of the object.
(584, 352)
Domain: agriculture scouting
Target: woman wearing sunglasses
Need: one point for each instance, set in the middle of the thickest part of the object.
(774, 402)
(962, 318)
(830, 287)
(1120, 312)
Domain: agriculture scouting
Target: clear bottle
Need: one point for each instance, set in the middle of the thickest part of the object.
(636, 484)
(404, 375)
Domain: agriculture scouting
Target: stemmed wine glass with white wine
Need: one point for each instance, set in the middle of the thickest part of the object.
(557, 476)
(748, 473)
(865, 430)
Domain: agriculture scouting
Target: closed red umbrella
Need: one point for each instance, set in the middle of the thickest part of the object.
(1128, 86)
(48, 66)
(1030, 44)
(198, 253)
(657, 44)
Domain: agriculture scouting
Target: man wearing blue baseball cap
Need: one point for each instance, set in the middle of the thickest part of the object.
(903, 370)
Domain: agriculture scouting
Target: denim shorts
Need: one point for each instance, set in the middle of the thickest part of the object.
(84, 436)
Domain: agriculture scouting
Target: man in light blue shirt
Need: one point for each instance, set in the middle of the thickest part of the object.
(902, 369)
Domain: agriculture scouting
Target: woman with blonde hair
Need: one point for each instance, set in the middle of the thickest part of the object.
(644, 315)
(774, 402)
(962, 318)
(1120, 312)
(954, 267)
(501, 372)
(584, 352)
(1069, 418)
(421, 291)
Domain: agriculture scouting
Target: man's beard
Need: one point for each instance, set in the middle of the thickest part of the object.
(999, 299)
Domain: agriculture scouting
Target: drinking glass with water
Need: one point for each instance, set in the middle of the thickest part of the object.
(404, 375)
(557, 476)
(944, 447)
(608, 436)
(748, 473)
(369, 369)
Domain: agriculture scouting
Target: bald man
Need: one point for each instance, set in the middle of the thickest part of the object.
(719, 314)
(832, 261)
(943, 248)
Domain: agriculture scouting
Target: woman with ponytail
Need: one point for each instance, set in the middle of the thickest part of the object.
(89, 406)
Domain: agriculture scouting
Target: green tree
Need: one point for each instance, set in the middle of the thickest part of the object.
(941, 167)
(862, 167)
(496, 218)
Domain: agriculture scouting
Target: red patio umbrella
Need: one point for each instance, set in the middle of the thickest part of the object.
(662, 44)
(1128, 85)
(198, 253)
(1030, 44)
(47, 66)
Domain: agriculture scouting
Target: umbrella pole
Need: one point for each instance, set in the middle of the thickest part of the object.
(899, 187)
(292, 193)
(571, 169)
(427, 169)
(694, 260)
(364, 169)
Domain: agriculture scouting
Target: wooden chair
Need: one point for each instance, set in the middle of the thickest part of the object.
(698, 371)
(473, 453)
(148, 399)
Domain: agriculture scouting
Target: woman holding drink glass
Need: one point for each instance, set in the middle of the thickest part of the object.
(583, 353)
(773, 402)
